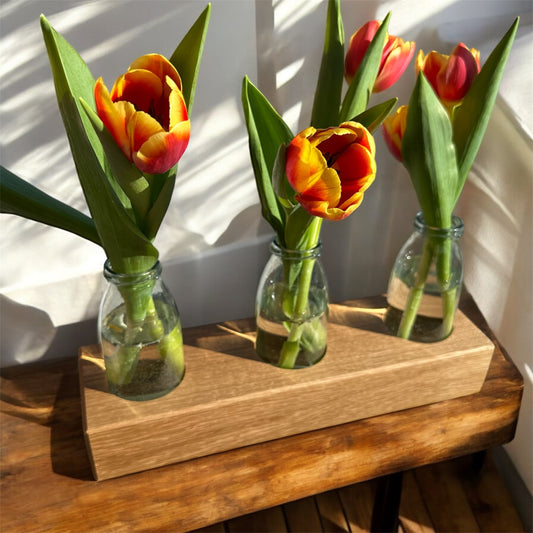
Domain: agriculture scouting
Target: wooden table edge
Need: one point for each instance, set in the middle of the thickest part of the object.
(199, 492)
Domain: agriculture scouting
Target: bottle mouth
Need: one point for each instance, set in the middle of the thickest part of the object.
(455, 231)
(297, 255)
(131, 278)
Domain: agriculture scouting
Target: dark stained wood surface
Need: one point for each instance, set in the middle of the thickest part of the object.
(460, 496)
(47, 485)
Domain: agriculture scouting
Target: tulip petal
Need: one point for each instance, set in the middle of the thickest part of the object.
(359, 43)
(178, 109)
(323, 210)
(162, 150)
(140, 87)
(302, 161)
(158, 65)
(325, 187)
(154, 150)
(140, 128)
(394, 65)
(356, 169)
(431, 65)
(393, 128)
(334, 140)
(455, 80)
(113, 116)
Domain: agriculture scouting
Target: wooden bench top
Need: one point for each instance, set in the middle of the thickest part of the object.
(47, 484)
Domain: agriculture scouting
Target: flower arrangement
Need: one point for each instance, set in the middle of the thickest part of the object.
(437, 137)
(126, 145)
(323, 171)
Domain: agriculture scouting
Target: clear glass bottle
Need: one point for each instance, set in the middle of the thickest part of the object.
(292, 308)
(140, 334)
(425, 283)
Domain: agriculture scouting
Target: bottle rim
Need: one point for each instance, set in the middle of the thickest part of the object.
(130, 279)
(455, 231)
(296, 255)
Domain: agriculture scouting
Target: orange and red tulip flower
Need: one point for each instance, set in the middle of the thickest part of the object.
(146, 113)
(395, 57)
(450, 76)
(331, 168)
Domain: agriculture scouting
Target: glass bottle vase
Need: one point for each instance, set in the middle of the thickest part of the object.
(140, 334)
(292, 308)
(425, 283)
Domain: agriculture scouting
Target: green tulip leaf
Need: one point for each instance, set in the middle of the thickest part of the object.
(280, 184)
(361, 87)
(372, 118)
(298, 222)
(18, 197)
(186, 58)
(266, 132)
(162, 186)
(126, 247)
(429, 154)
(130, 181)
(472, 116)
(327, 98)
(148, 194)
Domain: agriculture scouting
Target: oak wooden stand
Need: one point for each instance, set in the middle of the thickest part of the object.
(230, 399)
(47, 482)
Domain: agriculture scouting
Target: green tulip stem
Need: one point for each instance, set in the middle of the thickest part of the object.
(141, 312)
(448, 295)
(137, 297)
(170, 346)
(291, 347)
(417, 291)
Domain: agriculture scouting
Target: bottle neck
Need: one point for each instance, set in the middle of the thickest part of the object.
(454, 232)
(295, 255)
(131, 279)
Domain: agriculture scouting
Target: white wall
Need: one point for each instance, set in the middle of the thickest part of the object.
(213, 242)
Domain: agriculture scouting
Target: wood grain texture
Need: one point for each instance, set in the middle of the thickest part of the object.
(443, 491)
(46, 481)
(332, 516)
(302, 515)
(266, 520)
(229, 399)
(414, 517)
(486, 494)
(358, 500)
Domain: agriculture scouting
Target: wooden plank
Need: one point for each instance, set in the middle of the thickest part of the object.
(445, 499)
(302, 515)
(488, 497)
(358, 503)
(414, 517)
(266, 520)
(331, 512)
(214, 528)
(46, 482)
(366, 372)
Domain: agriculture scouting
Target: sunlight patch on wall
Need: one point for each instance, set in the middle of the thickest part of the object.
(287, 73)
(69, 19)
(289, 12)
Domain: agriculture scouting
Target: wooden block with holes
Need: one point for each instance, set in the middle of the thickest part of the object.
(229, 399)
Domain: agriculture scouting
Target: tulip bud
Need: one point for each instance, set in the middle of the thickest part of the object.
(450, 76)
(146, 113)
(331, 168)
(394, 59)
(393, 128)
